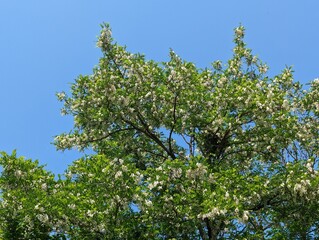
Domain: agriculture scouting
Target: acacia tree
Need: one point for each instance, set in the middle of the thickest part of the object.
(188, 153)
(25, 186)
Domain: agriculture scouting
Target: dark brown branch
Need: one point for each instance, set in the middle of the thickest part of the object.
(209, 229)
(146, 130)
(270, 201)
(202, 232)
(149, 133)
(155, 154)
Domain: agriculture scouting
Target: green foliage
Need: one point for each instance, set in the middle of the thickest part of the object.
(24, 189)
(180, 153)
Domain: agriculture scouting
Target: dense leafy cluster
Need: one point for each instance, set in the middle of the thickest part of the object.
(180, 153)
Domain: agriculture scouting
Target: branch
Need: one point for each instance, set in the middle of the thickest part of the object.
(189, 144)
(155, 154)
(269, 202)
(148, 133)
(108, 135)
(209, 229)
(202, 232)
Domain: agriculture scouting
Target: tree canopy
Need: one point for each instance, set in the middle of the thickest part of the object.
(225, 152)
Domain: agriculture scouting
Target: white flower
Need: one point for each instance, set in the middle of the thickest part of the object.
(44, 186)
(148, 203)
(309, 166)
(285, 104)
(176, 173)
(112, 88)
(153, 185)
(148, 94)
(298, 188)
(68, 174)
(105, 38)
(245, 216)
(221, 82)
(89, 213)
(118, 174)
(18, 173)
(43, 217)
(236, 210)
(227, 195)
(61, 96)
(239, 31)
(71, 206)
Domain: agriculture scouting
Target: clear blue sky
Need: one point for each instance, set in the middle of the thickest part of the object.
(45, 45)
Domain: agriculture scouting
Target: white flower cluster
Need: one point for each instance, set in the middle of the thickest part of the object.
(105, 38)
(215, 212)
(44, 218)
(197, 173)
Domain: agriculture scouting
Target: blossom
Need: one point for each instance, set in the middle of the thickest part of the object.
(90, 213)
(105, 38)
(72, 206)
(148, 203)
(44, 218)
(61, 96)
(285, 104)
(245, 216)
(118, 174)
(44, 186)
(239, 31)
(18, 173)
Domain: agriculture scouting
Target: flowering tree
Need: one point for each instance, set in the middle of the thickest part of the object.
(187, 153)
(25, 187)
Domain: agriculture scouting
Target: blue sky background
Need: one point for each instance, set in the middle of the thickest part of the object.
(45, 45)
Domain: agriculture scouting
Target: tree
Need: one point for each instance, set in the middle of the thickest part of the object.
(188, 153)
(24, 190)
